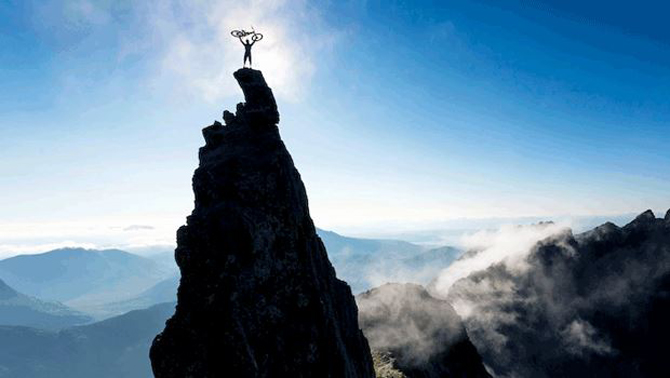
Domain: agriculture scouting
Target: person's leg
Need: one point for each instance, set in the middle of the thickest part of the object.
(249, 60)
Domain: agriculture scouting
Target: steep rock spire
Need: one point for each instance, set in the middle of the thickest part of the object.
(258, 296)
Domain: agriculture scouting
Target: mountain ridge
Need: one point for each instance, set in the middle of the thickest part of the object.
(112, 348)
(591, 304)
(79, 277)
(17, 309)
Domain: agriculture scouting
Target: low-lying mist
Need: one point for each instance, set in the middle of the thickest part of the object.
(508, 244)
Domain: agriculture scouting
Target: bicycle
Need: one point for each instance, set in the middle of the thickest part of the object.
(243, 33)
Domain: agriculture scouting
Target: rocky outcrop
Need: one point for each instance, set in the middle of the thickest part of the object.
(415, 335)
(595, 304)
(258, 296)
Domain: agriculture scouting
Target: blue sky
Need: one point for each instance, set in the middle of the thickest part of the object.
(399, 114)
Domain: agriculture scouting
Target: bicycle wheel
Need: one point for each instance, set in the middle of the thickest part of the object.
(257, 37)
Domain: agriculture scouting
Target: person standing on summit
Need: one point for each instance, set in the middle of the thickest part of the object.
(247, 50)
(246, 42)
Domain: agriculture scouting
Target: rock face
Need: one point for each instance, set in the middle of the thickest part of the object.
(415, 335)
(258, 296)
(595, 304)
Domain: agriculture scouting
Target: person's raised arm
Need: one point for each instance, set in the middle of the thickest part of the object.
(241, 41)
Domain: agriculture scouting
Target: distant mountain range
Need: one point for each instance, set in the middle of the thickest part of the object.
(113, 348)
(22, 310)
(163, 291)
(105, 283)
(363, 263)
(82, 279)
(366, 263)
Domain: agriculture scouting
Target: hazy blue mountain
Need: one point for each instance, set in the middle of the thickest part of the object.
(21, 310)
(105, 283)
(443, 255)
(427, 265)
(163, 291)
(165, 260)
(82, 278)
(366, 263)
(344, 246)
(363, 263)
(116, 347)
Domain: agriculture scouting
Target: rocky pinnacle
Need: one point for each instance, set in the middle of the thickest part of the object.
(258, 296)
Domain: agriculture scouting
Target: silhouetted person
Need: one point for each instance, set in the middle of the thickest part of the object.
(247, 51)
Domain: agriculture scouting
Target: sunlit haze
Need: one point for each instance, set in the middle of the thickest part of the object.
(442, 115)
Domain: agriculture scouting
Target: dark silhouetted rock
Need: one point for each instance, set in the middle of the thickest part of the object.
(414, 333)
(643, 220)
(258, 296)
(259, 108)
(595, 304)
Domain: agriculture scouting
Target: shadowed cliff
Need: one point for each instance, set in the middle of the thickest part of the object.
(595, 304)
(416, 335)
(258, 296)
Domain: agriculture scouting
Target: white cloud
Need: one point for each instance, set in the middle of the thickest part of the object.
(138, 227)
(100, 233)
(581, 338)
(508, 244)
